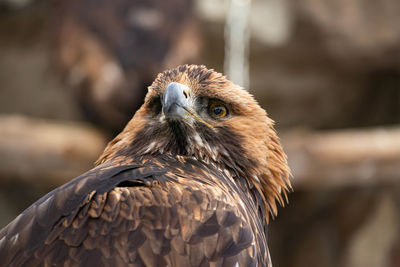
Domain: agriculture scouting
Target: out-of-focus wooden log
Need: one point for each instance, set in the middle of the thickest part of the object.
(46, 153)
(344, 158)
(50, 153)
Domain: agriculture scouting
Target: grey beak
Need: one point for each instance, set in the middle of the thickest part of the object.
(174, 100)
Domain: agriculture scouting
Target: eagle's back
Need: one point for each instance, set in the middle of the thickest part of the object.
(159, 212)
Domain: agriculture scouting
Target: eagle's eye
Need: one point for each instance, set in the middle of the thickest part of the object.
(156, 106)
(217, 109)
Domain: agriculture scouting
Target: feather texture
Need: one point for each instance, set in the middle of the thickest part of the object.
(194, 191)
(186, 222)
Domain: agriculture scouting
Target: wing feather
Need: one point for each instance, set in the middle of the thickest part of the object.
(118, 216)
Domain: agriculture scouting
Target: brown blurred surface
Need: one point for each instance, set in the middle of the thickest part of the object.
(110, 51)
(327, 72)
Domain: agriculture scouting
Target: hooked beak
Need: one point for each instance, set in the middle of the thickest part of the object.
(174, 101)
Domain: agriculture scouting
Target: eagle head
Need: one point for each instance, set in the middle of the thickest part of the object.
(191, 111)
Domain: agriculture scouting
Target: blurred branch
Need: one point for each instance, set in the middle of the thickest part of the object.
(344, 158)
(48, 153)
(44, 152)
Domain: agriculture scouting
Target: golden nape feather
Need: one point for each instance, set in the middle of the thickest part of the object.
(190, 181)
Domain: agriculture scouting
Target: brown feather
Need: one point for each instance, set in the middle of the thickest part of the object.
(165, 193)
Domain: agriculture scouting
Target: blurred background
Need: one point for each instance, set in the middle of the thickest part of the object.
(73, 72)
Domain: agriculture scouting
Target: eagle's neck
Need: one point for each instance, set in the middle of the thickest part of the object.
(266, 174)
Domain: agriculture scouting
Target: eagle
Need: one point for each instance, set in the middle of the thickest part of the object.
(192, 180)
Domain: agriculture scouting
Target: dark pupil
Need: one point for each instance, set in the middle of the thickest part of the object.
(218, 110)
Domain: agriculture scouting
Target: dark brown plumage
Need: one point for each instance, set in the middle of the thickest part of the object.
(189, 182)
